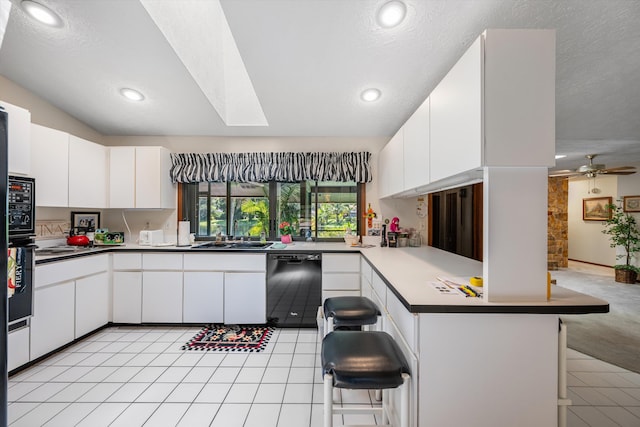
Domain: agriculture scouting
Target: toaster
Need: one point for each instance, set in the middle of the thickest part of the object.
(151, 237)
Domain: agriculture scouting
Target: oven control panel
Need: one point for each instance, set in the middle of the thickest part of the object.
(21, 205)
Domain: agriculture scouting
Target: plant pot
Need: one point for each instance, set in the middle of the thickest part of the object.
(285, 238)
(626, 276)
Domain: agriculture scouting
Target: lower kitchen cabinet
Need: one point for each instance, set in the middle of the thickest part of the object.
(245, 298)
(162, 296)
(53, 322)
(127, 297)
(17, 348)
(203, 297)
(92, 303)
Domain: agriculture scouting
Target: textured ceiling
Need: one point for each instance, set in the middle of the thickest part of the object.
(308, 60)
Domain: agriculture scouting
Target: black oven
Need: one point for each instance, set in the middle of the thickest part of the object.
(21, 207)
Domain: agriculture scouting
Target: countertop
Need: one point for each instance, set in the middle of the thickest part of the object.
(408, 273)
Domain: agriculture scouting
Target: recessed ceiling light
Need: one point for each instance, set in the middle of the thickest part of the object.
(131, 94)
(41, 13)
(391, 14)
(560, 156)
(370, 95)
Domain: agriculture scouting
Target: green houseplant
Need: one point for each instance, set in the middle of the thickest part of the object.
(623, 231)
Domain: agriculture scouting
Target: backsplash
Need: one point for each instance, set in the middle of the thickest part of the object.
(52, 229)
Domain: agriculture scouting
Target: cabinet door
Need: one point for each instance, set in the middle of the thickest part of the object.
(245, 298)
(92, 303)
(17, 348)
(50, 166)
(456, 117)
(162, 296)
(52, 324)
(87, 174)
(153, 183)
(122, 178)
(127, 297)
(19, 139)
(203, 297)
(416, 148)
(390, 165)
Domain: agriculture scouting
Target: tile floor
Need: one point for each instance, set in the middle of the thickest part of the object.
(140, 376)
(135, 376)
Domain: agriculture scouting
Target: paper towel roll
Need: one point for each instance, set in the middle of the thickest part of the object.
(184, 228)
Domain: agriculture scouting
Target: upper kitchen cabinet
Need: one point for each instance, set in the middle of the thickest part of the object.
(456, 117)
(87, 174)
(19, 134)
(50, 166)
(153, 185)
(416, 147)
(390, 166)
(139, 178)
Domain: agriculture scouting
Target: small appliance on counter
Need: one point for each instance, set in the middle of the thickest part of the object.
(151, 237)
(78, 237)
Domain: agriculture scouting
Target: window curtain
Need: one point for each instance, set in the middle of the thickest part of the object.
(263, 167)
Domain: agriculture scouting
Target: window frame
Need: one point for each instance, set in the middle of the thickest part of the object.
(188, 196)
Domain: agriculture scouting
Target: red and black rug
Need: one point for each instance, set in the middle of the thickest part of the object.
(230, 338)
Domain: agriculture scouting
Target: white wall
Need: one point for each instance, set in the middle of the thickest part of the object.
(586, 240)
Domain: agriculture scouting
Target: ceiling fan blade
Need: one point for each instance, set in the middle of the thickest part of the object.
(563, 173)
(620, 168)
(610, 172)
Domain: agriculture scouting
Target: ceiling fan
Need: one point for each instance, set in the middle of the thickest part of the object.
(593, 169)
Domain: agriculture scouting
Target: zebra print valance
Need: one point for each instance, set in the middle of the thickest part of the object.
(263, 167)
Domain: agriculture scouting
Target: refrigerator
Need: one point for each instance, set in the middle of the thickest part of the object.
(3, 266)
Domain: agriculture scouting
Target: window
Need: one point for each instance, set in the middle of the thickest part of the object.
(323, 210)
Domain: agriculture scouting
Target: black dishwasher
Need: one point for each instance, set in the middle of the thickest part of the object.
(294, 289)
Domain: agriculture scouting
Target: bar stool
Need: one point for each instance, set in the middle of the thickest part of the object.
(364, 360)
(349, 311)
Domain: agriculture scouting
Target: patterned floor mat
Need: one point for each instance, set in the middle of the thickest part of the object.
(230, 338)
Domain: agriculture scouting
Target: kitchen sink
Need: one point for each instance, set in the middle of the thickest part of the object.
(232, 245)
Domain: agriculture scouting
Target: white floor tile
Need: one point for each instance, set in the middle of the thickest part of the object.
(167, 415)
(250, 375)
(294, 415)
(123, 374)
(135, 347)
(621, 416)
(70, 359)
(156, 392)
(263, 415)
(16, 392)
(72, 392)
(199, 415)
(166, 359)
(275, 375)
(190, 359)
(98, 374)
(199, 375)
(174, 374)
(231, 415)
(213, 393)
(39, 415)
(128, 393)
(118, 359)
(619, 396)
(115, 347)
(575, 421)
(298, 393)
(592, 396)
(224, 375)
(241, 393)
(148, 374)
(306, 347)
(100, 392)
(136, 414)
(302, 375)
(17, 410)
(270, 393)
(211, 359)
(234, 359)
(303, 360)
(284, 347)
(96, 359)
(71, 415)
(74, 373)
(280, 360)
(44, 392)
(593, 417)
(142, 359)
(185, 392)
(48, 373)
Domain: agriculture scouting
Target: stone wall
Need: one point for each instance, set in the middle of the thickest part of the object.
(557, 224)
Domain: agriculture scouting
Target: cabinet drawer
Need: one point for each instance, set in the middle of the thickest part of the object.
(127, 261)
(225, 262)
(380, 288)
(162, 261)
(69, 270)
(17, 348)
(341, 263)
(341, 281)
(365, 269)
(404, 320)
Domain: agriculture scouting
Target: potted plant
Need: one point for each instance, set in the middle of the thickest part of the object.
(623, 229)
(285, 232)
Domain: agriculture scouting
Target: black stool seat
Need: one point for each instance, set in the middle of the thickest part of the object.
(351, 311)
(363, 360)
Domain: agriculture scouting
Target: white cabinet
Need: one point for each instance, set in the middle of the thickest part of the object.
(153, 186)
(390, 164)
(162, 296)
(456, 117)
(416, 148)
(17, 348)
(139, 178)
(53, 321)
(203, 297)
(127, 296)
(19, 139)
(340, 275)
(122, 177)
(92, 303)
(50, 166)
(87, 174)
(245, 298)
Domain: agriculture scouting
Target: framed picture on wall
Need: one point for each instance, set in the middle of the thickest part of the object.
(595, 209)
(87, 220)
(631, 203)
